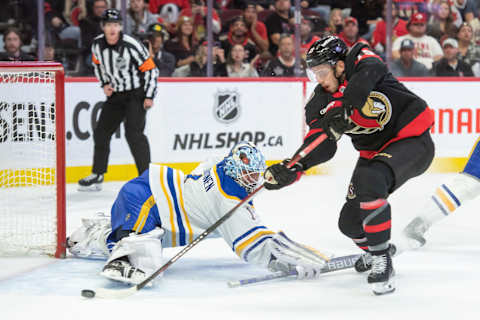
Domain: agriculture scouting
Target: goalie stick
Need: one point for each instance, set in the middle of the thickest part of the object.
(334, 264)
(122, 293)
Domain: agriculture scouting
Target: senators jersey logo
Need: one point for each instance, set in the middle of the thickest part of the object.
(373, 116)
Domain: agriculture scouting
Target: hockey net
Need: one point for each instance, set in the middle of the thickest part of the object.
(32, 159)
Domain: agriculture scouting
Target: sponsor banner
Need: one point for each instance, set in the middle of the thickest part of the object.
(83, 103)
(193, 121)
(27, 125)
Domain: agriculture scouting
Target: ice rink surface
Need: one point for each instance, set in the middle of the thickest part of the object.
(439, 281)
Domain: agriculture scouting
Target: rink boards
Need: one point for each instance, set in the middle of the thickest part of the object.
(196, 118)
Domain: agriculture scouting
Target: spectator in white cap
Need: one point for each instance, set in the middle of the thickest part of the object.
(427, 48)
(406, 66)
(450, 65)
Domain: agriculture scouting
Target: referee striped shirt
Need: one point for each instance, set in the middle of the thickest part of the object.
(126, 65)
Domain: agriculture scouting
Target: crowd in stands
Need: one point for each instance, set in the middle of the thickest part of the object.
(252, 38)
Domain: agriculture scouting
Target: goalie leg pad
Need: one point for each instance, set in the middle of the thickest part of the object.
(288, 255)
(143, 252)
(89, 241)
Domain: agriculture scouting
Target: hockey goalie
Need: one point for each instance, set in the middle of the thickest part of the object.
(164, 208)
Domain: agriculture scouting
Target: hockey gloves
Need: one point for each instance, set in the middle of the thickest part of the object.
(336, 119)
(278, 175)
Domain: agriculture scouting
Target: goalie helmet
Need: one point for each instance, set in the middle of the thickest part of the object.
(329, 50)
(245, 164)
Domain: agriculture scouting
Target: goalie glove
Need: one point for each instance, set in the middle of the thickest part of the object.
(278, 175)
(288, 255)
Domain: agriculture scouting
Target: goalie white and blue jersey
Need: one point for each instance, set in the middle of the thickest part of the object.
(185, 205)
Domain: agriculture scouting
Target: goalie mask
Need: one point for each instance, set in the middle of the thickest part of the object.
(245, 164)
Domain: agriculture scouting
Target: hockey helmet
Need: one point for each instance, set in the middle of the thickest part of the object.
(245, 164)
(329, 50)
(111, 15)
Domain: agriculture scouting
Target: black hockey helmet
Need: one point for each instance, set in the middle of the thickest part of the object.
(329, 50)
(111, 15)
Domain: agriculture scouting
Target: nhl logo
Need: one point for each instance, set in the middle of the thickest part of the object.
(227, 106)
(121, 63)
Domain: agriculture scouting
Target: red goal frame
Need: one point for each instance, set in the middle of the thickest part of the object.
(59, 138)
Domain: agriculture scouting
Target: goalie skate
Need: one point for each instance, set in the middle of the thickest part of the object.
(122, 271)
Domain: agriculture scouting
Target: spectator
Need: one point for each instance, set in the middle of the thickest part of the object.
(441, 24)
(49, 52)
(450, 65)
(90, 27)
(468, 52)
(138, 18)
(406, 66)
(198, 12)
(379, 37)
(57, 25)
(238, 34)
(236, 67)
(284, 64)
(12, 44)
(349, 35)
(278, 23)
(306, 37)
(198, 67)
(427, 48)
(257, 31)
(165, 61)
(184, 44)
(335, 23)
(466, 9)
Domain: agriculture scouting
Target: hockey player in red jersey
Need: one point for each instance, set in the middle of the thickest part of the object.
(388, 125)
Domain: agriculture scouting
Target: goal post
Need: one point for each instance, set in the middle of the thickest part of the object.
(32, 159)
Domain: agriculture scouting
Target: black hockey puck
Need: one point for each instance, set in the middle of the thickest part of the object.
(87, 293)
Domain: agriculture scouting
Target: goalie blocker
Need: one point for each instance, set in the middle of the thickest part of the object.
(165, 208)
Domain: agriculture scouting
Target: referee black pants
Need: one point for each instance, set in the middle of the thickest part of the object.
(127, 107)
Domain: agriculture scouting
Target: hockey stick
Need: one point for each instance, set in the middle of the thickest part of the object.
(335, 264)
(121, 293)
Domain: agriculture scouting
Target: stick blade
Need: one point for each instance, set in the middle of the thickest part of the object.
(115, 293)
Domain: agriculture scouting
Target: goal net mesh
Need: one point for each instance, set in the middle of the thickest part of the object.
(28, 191)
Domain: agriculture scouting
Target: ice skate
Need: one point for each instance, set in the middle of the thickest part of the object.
(364, 263)
(382, 275)
(121, 270)
(91, 183)
(415, 231)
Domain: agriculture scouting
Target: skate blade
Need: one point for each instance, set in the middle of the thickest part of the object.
(382, 288)
(92, 188)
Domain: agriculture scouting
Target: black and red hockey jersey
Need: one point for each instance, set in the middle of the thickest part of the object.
(384, 110)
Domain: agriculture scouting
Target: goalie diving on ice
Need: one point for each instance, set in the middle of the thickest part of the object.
(165, 208)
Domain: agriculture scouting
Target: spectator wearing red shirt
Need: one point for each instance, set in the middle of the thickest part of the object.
(198, 12)
(379, 36)
(257, 31)
(238, 34)
(349, 35)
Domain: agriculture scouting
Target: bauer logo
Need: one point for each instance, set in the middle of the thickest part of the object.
(227, 106)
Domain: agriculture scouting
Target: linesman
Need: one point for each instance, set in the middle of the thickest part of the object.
(128, 77)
